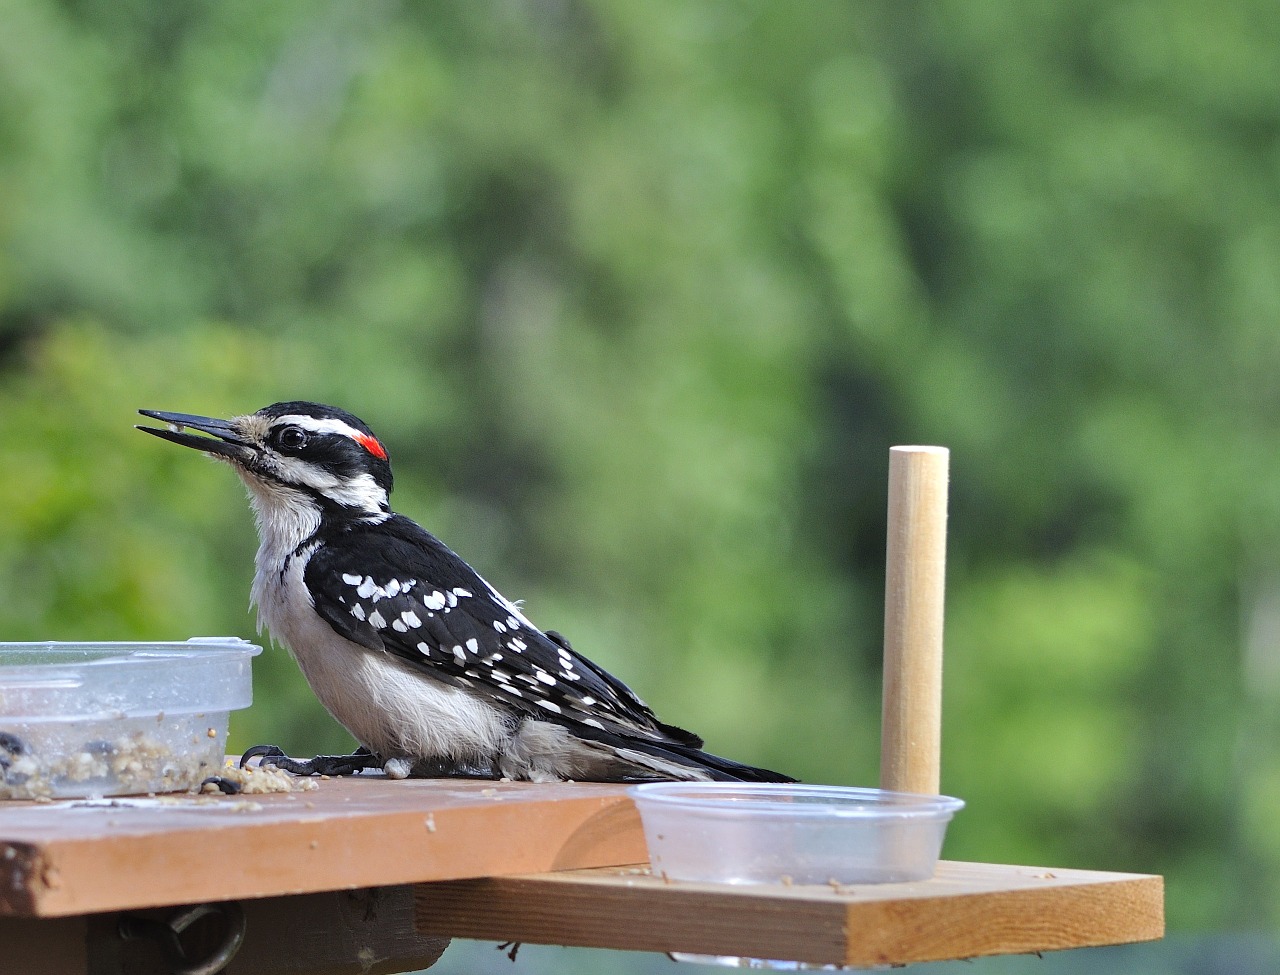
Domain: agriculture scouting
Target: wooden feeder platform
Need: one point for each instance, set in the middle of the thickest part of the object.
(373, 876)
(549, 864)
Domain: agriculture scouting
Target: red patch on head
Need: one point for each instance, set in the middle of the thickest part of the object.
(371, 444)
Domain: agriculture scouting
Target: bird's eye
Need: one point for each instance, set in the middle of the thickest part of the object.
(292, 438)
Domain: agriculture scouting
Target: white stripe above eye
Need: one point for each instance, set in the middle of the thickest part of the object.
(328, 424)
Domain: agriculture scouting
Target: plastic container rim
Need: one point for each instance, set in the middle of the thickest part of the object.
(47, 682)
(119, 653)
(197, 646)
(770, 799)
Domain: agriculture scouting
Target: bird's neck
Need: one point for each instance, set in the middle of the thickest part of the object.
(285, 517)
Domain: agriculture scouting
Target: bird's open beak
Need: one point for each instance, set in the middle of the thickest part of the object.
(223, 438)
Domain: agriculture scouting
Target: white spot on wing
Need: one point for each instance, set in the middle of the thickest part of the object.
(367, 588)
(351, 580)
(358, 612)
(411, 618)
(459, 655)
(434, 600)
(550, 706)
(376, 620)
(473, 645)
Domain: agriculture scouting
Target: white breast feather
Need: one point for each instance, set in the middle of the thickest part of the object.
(388, 707)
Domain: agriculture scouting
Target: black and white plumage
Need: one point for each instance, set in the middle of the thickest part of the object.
(428, 666)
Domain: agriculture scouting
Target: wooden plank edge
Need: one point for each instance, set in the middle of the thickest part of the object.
(132, 871)
(1022, 920)
(868, 925)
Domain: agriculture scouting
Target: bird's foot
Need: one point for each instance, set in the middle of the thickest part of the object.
(510, 947)
(360, 760)
(226, 786)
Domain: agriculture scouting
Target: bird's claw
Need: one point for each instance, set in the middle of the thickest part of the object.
(320, 765)
(226, 786)
(263, 752)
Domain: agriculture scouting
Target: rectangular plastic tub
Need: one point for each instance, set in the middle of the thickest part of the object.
(747, 833)
(84, 720)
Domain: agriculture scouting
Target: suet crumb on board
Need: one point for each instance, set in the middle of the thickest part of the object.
(259, 780)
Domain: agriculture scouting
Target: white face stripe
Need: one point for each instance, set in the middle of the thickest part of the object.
(361, 492)
(323, 425)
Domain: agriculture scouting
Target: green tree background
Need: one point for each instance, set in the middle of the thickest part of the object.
(639, 295)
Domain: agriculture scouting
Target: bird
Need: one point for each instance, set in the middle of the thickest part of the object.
(432, 670)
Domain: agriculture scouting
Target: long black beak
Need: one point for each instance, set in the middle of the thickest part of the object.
(223, 439)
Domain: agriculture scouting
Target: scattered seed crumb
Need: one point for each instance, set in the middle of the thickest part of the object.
(431, 823)
(240, 805)
(212, 733)
(257, 780)
(314, 844)
(787, 881)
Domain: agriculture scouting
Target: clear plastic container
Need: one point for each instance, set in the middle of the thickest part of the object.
(747, 833)
(85, 720)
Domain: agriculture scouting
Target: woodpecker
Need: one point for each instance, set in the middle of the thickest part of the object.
(431, 669)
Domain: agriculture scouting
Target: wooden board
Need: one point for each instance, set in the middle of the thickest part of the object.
(70, 857)
(966, 910)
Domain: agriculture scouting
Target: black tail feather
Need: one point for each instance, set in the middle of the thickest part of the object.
(678, 753)
(727, 770)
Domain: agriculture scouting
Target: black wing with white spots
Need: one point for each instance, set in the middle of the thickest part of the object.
(404, 591)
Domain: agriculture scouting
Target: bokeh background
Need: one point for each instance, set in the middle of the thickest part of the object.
(639, 295)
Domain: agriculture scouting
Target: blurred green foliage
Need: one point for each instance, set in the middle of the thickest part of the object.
(639, 295)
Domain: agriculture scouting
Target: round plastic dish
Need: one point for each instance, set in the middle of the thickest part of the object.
(85, 720)
(746, 833)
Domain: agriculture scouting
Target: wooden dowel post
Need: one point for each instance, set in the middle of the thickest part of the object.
(915, 580)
